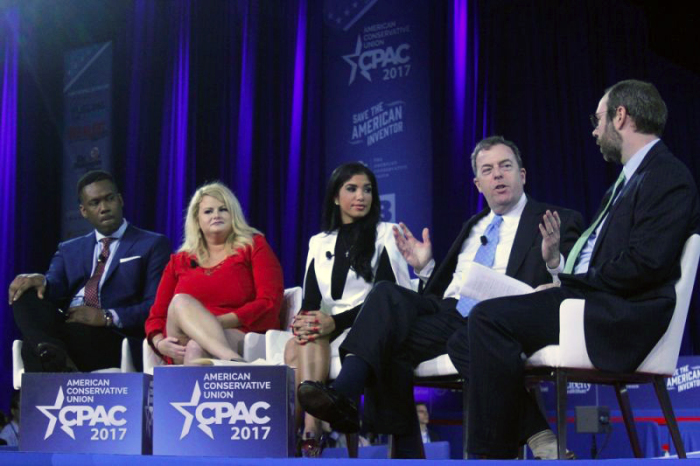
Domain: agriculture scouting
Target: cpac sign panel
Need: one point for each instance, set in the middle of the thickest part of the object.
(241, 411)
(87, 413)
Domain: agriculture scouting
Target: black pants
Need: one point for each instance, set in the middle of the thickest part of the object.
(488, 353)
(396, 330)
(40, 321)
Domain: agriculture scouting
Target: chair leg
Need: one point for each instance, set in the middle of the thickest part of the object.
(623, 400)
(465, 418)
(536, 392)
(560, 378)
(665, 402)
(353, 444)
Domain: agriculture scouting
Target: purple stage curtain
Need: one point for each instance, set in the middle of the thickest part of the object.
(9, 55)
(239, 90)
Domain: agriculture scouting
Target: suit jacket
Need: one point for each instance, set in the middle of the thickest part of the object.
(629, 286)
(525, 262)
(131, 281)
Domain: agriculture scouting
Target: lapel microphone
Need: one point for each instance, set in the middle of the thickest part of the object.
(193, 264)
(484, 240)
(329, 256)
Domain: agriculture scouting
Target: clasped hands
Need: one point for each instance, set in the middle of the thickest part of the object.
(309, 326)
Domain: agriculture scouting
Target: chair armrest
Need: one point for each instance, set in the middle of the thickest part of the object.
(17, 364)
(127, 358)
(150, 358)
(275, 341)
(572, 339)
(253, 346)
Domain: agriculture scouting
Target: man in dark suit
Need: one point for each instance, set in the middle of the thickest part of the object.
(98, 289)
(624, 265)
(398, 328)
(428, 435)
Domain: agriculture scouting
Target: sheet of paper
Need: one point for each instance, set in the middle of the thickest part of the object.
(485, 283)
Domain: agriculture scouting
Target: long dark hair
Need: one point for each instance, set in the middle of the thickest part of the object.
(361, 254)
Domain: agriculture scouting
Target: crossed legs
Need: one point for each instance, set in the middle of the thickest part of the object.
(488, 353)
(189, 321)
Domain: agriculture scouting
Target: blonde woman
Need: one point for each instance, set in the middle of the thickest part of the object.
(223, 282)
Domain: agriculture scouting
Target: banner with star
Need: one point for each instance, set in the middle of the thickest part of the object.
(87, 133)
(237, 411)
(104, 413)
(377, 99)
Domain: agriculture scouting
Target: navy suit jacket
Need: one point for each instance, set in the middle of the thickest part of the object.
(629, 286)
(129, 287)
(525, 262)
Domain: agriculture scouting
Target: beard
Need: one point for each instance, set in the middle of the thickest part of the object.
(610, 143)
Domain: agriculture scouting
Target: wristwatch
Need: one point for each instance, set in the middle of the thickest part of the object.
(109, 321)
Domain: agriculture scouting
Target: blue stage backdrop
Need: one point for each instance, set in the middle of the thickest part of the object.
(87, 90)
(377, 99)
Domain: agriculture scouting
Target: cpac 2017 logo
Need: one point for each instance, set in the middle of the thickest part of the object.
(219, 412)
(80, 415)
(372, 59)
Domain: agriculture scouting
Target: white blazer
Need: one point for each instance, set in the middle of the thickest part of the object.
(356, 288)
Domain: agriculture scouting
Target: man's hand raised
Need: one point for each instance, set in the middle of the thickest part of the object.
(416, 253)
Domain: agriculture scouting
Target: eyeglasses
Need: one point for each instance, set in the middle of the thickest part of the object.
(595, 120)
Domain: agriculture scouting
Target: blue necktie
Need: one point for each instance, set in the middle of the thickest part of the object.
(484, 256)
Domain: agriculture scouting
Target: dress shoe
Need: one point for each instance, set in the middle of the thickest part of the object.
(55, 359)
(311, 446)
(325, 403)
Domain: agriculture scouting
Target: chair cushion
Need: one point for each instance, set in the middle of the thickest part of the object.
(440, 366)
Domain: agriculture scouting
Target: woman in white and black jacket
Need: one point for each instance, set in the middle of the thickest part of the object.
(354, 251)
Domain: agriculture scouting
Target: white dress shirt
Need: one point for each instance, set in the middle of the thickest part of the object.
(79, 298)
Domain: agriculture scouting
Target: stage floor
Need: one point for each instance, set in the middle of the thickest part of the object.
(64, 459)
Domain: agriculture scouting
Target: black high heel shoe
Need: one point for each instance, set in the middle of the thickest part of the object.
(312, 447)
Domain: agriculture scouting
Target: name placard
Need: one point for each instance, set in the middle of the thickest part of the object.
(87, 413)
(237, 411)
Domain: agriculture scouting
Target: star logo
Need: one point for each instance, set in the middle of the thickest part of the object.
(45, 410)
(353, 60)
(182, 407)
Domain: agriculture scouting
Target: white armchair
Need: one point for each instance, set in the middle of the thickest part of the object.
(127, 362)
(254, 344)
(569, 361)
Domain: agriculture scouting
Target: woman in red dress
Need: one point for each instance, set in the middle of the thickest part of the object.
(223, 282)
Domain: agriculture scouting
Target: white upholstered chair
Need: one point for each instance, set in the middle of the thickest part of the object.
(127, 362)
(436, 372)
(569, 361)
(253, 344)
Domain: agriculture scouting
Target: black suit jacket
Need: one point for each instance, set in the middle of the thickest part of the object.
(525, 262)
(629, 286)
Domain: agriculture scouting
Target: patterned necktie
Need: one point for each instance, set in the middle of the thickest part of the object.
(576, 250)
(92, 296)
(484, 256)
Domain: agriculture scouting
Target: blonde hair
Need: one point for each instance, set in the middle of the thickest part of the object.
(241, 234)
